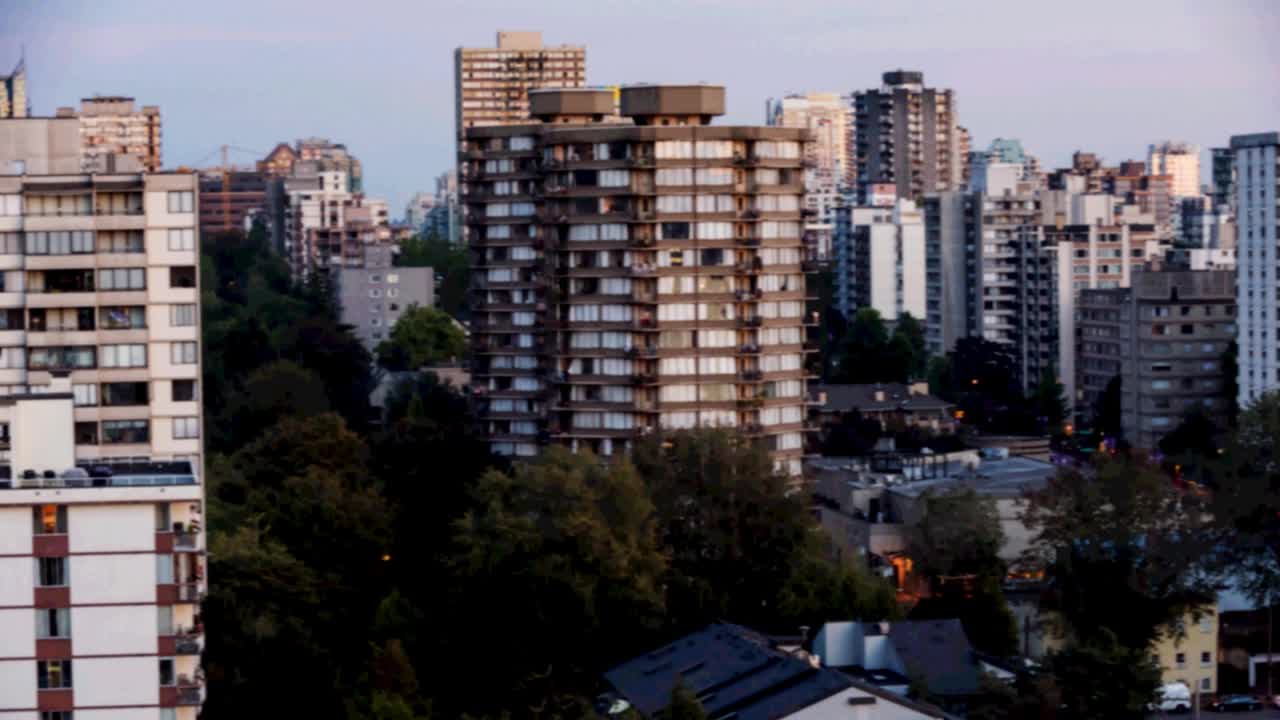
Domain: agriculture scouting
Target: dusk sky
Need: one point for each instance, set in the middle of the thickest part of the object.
(1108, 77)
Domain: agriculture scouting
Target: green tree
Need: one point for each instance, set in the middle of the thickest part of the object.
(1107, 411)
(422, 336)
(955, 548)
(910, 331)
(559, 564)
(862, 355)
(272, 392)
(448, 262)
(1128, 557)
(739, 536)
(684, 704)
(1050, 404)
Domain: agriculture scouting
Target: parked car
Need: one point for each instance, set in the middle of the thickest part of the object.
(1235, 703)
(1174, 697)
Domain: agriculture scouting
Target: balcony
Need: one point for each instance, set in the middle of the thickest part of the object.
(749, 349)
(642, 352)
(750, 375)
(189, 593)
(188, 642)
(644, 379)
(643, 270)
(751, 322)
(186, 541)
(810, 266)
(190, 691)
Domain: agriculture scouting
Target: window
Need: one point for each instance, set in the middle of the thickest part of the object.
(125, 431)
(60, 242)
(55, 715)
(181, 201)
(182, 239)
(49, 519)
(183, 353)
(164, 620)
(86, 433)
(1206, 624)
(85, 395)
(133, 317)
(168, 713)
(186, 428)
(53, 674)
(182, 276)
(183, 391)
(163, 518)
(122, 279)
(51, 572)
(164, 569)
(166, 672)
(182, 315)
(124, 394)
(1206, 683)
(53, 623)
(1206, 658)
(123, 356)
(1180, 660)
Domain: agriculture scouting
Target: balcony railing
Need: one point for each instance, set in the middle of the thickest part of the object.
(40, 483)
(189, 592)
(186, 541)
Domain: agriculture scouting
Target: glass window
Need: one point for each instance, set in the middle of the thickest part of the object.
(125, 431)
(182, 315)
(166, 672)
(53, 674)
(164, 620)
(164, 569)
(133, 317)
(183, 390)
(181, 201)
(183, 276)
(182, 239)
(51, 572)
(186, 428)
(124, 356)
(53, 623)
(85, 395)
(163, 518)
(125, 394)
(49, 519)
(183, 353)
(122, 279)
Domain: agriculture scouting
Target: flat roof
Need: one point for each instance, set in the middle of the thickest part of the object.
(1005, 478)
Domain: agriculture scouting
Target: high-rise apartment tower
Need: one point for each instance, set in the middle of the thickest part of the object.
(906, 133)
(492, 85)
(638, 273)
(1257, 188)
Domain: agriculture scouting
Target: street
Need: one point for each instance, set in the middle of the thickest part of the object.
(1272, 714)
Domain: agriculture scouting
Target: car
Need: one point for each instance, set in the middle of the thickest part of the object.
(1235, 703)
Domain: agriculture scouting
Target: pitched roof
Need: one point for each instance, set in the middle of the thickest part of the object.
(731, 669)
(897, 396)
(937, 651)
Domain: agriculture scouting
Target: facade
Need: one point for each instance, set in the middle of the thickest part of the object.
(1164, 337)
(634, 275)
(1224, 177)
(827, 117)
(1257, 191)
(114, 126)
(1007, 151)
(906, 133)
(324, 225)
(492, 85)
(417, 209)
(374, 295)
(1188, 653)
(231, 200)
(879, 260)
(13, 93)
(1181, 162)
(101, 547)
(1204, 225)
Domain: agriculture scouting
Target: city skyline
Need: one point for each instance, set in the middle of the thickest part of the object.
(388, 93)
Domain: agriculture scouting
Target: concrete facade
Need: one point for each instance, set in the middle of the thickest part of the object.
(115, 126)
(879, 259)
(906, 133)
(1257, 192)
(1164, 337)
(374, 296)
(491, 85)
(637, 273)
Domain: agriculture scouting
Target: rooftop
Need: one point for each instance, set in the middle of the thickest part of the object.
(102, 473)
(1000, 478)
(878, 397)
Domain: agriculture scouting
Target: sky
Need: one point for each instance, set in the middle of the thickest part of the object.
(1104, 76)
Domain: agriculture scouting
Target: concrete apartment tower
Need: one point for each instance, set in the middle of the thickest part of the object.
(13, 93)
(1257, 190)
(111, 126)
(102, 564)
(491, 85)
(635, 274)
(906, 133)
(879, 260)
(1181, 162)
(1164, 338)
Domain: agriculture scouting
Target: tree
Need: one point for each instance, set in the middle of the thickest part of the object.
(1107, 411)
(272, 392)
(1127, 554)
(862, 355)
(1049, 402)
(449, 263)
(741, 542)
(955, 548)
(911, 332)
(1231, 383)
(982, 378)
(684, 704)
(558, 564)
(422, 336)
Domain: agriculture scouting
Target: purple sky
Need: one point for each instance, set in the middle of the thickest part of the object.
(1107, 76)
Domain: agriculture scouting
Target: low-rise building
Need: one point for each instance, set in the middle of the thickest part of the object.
(374, 294)
(892, 404)
(1187, 652)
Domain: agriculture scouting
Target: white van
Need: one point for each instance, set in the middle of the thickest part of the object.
(1174, 697)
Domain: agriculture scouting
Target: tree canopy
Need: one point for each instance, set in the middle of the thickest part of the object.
(422, 336)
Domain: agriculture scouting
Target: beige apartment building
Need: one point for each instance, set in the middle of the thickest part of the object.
(13, 93)
(102, 564)
(636, 274)
(1164, 337)
(492, 85)
(113, 126)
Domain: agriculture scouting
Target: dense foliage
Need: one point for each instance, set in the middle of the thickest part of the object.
(868, 353)
(422, 336)
(450, 264)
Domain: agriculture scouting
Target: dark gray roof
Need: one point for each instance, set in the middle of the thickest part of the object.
(937, 651)
(846, 398)
(731, 669)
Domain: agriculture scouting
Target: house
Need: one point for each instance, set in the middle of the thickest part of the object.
(1187, 652)
(1245, 648)
(892, 404)
(739, 674)
(891, 655)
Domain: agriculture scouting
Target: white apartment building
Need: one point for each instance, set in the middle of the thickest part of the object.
(326, 225)
(101, 547)
(1257, 255)
(1181, 162)
(880, 260)
(827, 116)
(115, 126)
